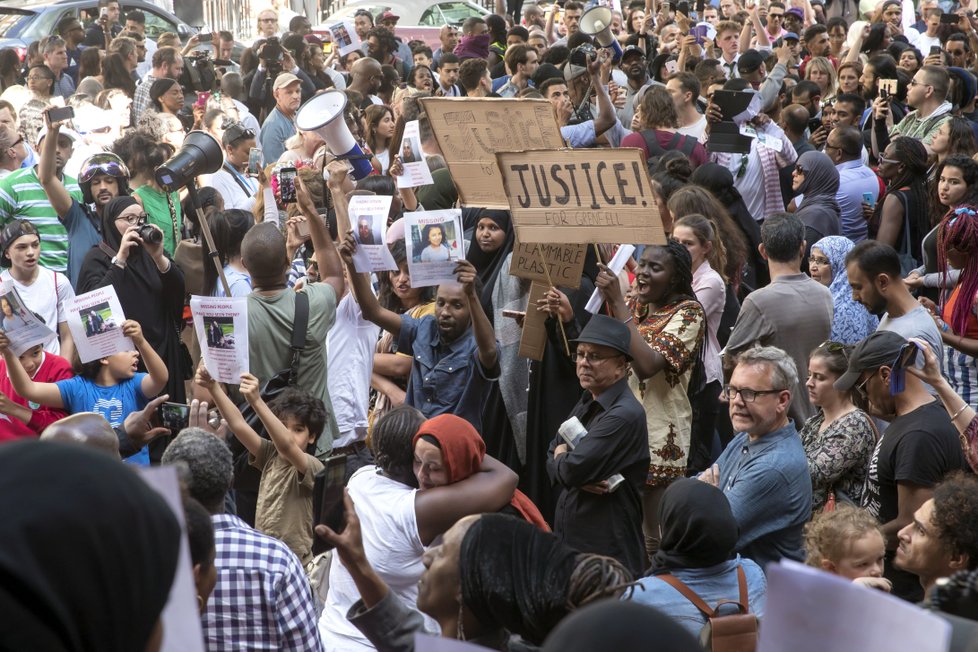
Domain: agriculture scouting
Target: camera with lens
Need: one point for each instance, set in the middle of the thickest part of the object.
(150, 235)
(199, 75)
(271, 54)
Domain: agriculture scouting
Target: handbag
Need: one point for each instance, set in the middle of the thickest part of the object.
(246, 477)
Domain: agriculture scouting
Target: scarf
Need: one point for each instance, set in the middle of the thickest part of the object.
(488, 265)
(473, 47)
(698, 527)
(851, 322)
(819, 209)
(462, 450)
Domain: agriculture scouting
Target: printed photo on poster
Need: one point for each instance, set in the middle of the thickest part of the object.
(344, 37)
(368, 216)
(221, 325)
(433, 240)
(22, 327)
(416, 172)
(95, 320)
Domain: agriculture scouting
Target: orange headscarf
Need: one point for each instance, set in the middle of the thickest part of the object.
(462, 450)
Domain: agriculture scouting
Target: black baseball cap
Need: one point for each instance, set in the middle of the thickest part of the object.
(879, 349)
(749, 62)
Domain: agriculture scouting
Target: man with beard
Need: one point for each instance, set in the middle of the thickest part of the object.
(877, 283)
(102, 177)
(636, 69)
(366, 76)
(918, 448)
(22, 196)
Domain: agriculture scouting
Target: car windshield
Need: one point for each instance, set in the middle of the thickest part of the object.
(13, 22)
(448, 13)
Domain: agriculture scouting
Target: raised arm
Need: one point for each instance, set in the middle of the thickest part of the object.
(248, 437)
(330, 267)
(485, 336)
(153, 383)
(646, 361)
(600, 70)
(52, 185)
(44, 393)
(280, 435)
(371, 308)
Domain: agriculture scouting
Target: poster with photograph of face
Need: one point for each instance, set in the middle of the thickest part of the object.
(22, 327)
(344, 37)
(416, 172)
(433, 240)
(368, 217)
(95, 320)
(222, 330)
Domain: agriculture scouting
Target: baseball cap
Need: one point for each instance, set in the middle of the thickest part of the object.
(10, 234)
(791, 36)
(632, 49)
(796, 12)
(284, 79)
(388, 15)
(879, 349)
(70, 133)
(749, 62)
(573, 72)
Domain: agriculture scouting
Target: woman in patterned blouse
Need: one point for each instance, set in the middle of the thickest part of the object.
(667, 325)
(839, 439)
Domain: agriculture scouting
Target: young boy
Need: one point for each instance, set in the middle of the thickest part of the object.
(294, 421)
(18, 418)
(110, 386)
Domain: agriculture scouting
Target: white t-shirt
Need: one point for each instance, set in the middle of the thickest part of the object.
(389, 526)
(697, 130)
(46, 296)
(350, 361)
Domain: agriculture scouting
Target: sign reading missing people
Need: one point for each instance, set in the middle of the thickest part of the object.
(581, 196)
(95, 320)
(470, 131)
(222, 330)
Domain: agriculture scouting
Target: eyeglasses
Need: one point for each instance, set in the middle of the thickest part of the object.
(860, 389)
(914, 82)
(36, 78)
(133, 220)
(772, 16)
(107, 164)
(16, 142)
(820, 261)
(799, 170)
(891, 161)
(749, 395)
(268, 20)
(592, 358)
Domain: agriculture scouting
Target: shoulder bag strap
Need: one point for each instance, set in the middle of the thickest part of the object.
(652, 143)
(300, 324)
(688, 593)
(107, 250)
(742, 582)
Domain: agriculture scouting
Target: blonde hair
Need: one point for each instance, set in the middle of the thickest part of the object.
(830, 535)
(824, 65)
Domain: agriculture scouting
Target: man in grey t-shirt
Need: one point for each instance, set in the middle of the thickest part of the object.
(877, 282)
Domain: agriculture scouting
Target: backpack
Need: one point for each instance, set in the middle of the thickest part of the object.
(736, 632)
(656, 150)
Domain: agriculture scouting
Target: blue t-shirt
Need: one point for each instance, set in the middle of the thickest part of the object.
(82, 236)
(115, 403)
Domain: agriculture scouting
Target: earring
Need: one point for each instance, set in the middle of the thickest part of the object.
(460, 630)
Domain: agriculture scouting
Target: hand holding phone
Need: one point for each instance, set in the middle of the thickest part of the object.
(327, 500)
(60, 114)
(254, 162)
(174, 416)
(286, 185)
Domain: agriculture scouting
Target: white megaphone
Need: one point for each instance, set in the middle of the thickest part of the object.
(323, 114)
(596, 22)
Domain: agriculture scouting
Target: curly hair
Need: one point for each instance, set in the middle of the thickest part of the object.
(206, 465)
(301, 406)
(830, 535)
(658, 109)
(955, 516)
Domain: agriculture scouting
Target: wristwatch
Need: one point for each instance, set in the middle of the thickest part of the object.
(119, 263)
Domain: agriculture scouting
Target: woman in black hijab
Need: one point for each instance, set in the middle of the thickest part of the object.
(699, 539)
(718, 180)
(150, 288)
(492, 241)
(89, 552)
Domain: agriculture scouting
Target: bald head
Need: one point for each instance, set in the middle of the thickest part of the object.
(365, 67)
(795, 118)
(86, 429)
(263, 255)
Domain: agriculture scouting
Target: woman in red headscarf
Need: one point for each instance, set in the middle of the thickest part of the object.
(448, 449)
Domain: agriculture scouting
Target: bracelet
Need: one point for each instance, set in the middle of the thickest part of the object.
(958, 413)
(944, 327)
(630, 318)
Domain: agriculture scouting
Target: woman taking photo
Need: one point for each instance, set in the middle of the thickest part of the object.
(851, 322)
(667, 327)
(379, 129)
(840, 438)
(900, 217)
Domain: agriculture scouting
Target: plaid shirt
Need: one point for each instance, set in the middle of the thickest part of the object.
(141, 101)
(262, 600)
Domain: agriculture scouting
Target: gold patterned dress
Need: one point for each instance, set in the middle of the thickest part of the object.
(676, 332)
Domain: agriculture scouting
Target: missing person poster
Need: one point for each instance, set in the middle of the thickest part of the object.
(416, 172)
(95, 320)
(433, 240)
(222, 330)
(344, 37)
(22, 327)
(368, 217)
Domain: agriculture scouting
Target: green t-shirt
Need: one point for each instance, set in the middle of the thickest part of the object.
(158, 213)
(23, 198)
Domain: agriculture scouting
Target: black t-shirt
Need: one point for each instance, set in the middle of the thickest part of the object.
(920, 448)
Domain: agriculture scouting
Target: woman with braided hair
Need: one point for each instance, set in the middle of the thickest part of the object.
(900, 217)
(668, 326)
(492, 576)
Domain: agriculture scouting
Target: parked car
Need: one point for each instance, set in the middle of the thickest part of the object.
(22, 22)
(419, 20)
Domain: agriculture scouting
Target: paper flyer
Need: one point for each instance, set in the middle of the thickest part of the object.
(368, 217)
(221, 325)
(95, 319)
(344, 37)
(416, 172)
(616, 264)
(433, 240)
(22, 327)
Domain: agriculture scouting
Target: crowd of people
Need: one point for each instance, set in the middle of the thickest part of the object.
(791, 375)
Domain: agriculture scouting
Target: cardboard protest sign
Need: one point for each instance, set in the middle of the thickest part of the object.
(368, 216)
(416, 172)
(534, 339)
(222, 330)
(581, 196)
(344, 37)
(22, 328)
(565, 263)
(433, 240)
(470, 131)
(95, 320)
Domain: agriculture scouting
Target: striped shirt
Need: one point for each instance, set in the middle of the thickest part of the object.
(23, 198)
